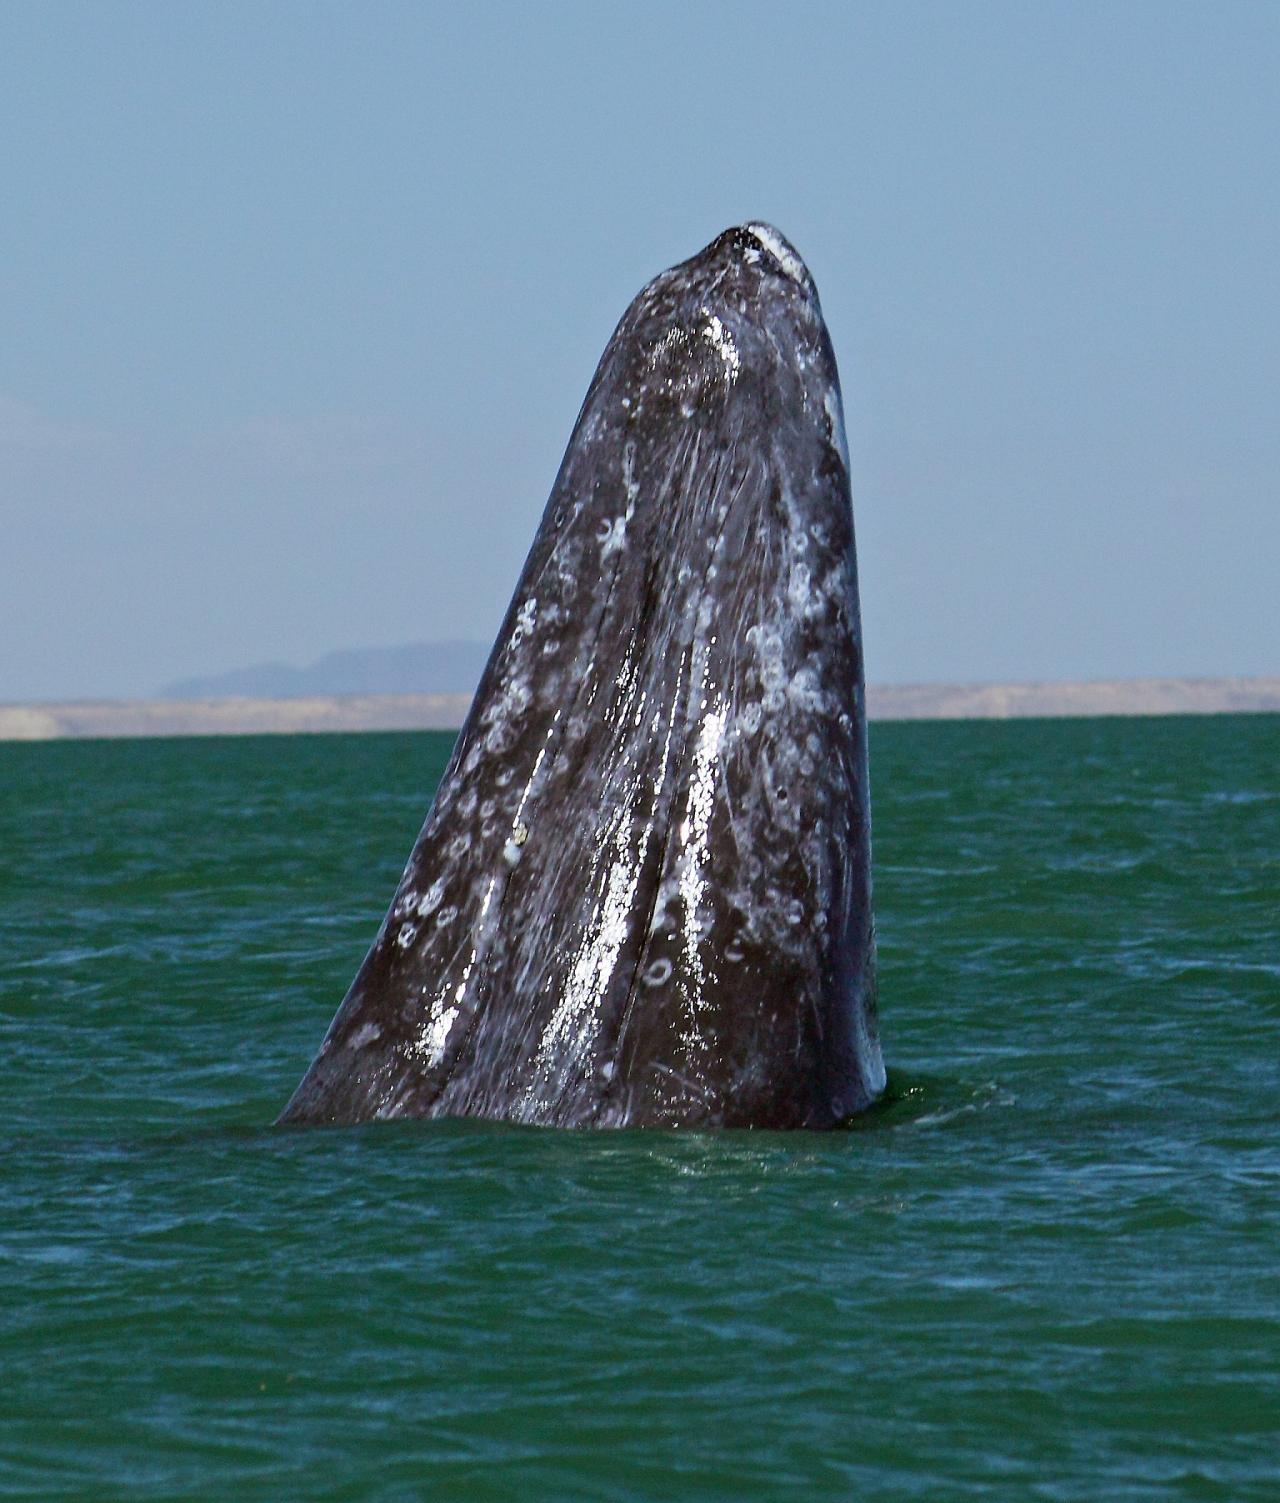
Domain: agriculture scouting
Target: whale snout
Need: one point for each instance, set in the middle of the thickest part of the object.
(780, 251)
(754, 250)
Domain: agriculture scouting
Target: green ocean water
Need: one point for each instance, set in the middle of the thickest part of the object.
(1048, 1267)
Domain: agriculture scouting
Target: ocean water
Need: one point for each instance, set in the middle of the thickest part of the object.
(1048, 1267)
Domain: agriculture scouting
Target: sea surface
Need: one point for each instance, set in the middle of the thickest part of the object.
(1047, 1267)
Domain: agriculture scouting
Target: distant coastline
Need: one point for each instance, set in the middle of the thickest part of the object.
(414, 712)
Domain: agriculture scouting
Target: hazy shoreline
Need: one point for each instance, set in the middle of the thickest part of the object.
(404, 712)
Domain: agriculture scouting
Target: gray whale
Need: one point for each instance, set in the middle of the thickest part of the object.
(642, 895)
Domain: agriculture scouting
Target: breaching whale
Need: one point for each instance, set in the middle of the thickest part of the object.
(642, 895)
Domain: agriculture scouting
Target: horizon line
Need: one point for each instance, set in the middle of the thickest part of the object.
(240, 715)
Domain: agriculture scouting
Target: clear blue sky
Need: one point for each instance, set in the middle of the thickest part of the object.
(298, 303)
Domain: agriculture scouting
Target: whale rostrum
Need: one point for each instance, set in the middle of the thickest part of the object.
(642, 895)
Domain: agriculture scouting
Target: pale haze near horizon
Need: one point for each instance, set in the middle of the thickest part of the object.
(299, 304)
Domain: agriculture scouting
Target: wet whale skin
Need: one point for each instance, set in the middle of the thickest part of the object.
(642, 894)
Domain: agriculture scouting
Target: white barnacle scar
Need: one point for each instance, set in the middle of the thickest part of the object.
(722, 342)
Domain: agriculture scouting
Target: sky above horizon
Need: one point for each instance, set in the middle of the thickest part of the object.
(299, 303)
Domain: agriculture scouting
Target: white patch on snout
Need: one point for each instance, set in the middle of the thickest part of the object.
(791, 264)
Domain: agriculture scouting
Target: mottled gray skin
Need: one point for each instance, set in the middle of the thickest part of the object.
(642, 895)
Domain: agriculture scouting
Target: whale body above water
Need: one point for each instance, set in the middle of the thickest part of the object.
(642, 895)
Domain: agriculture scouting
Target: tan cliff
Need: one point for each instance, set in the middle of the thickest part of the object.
(413, 712)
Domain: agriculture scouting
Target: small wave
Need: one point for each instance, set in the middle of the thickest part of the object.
(991, 1094)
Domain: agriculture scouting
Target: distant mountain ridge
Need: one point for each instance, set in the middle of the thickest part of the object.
(415, 668)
